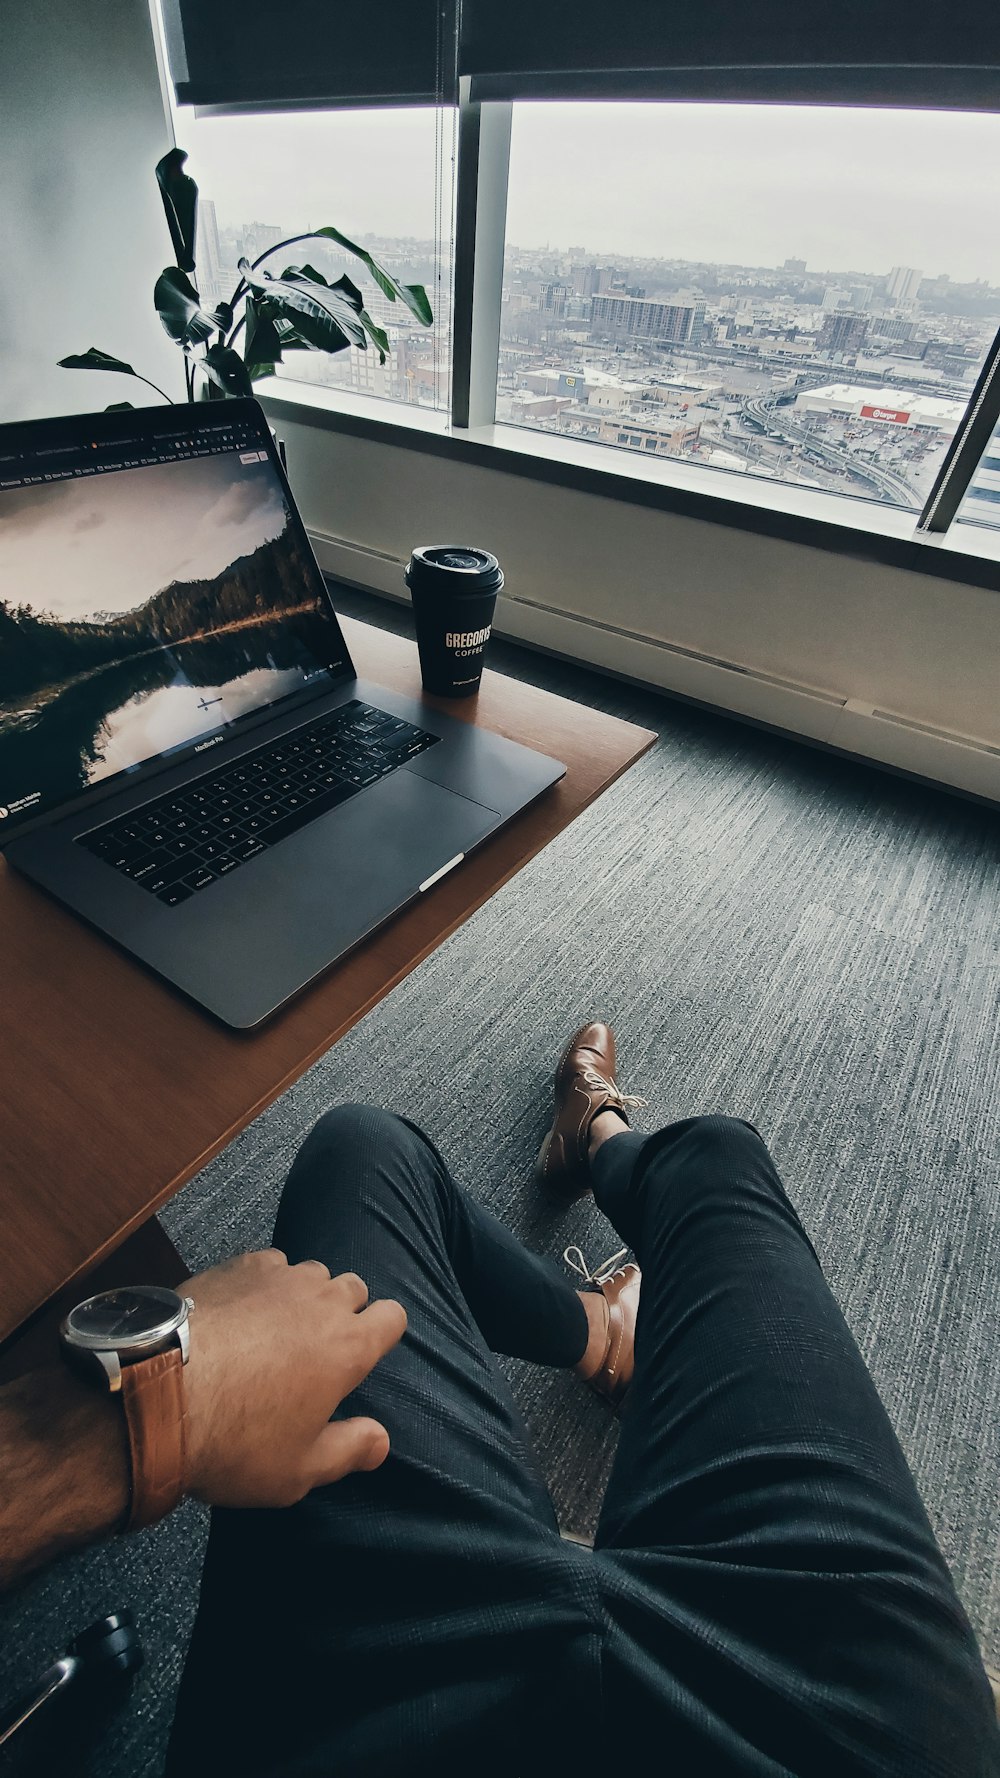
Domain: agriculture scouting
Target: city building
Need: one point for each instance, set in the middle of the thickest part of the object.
(903, 284)
(843, 331)
(892, 327)
(643, 318)
(795, 266)
(259, 236)
(890, 407)
(665, 436)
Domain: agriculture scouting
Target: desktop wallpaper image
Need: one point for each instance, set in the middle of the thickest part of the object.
(141, 609)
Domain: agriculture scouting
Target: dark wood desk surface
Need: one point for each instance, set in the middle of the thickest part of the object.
(114, 1091)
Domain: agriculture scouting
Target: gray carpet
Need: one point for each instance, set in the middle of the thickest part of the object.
(772, 932)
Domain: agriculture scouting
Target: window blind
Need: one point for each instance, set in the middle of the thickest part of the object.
(891, 53)
(243, 55)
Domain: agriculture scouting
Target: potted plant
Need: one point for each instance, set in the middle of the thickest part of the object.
(228, 348)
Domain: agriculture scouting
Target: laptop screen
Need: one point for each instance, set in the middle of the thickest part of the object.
(155, 589)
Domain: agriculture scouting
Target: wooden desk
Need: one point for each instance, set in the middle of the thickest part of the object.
(114, 1091)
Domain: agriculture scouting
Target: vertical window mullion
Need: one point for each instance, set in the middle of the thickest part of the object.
(963, 456)
(480, 225)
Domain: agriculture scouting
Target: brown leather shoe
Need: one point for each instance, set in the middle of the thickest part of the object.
(585, 1084)
(620, 1289)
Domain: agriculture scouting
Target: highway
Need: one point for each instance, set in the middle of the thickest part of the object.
(887, 485)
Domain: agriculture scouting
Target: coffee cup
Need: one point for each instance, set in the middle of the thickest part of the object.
(454, 591)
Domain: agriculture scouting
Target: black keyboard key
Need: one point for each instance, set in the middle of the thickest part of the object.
(200, 878)
(177, 892)
(248, 848)
(147, 864)
(222, 866)
(168, 873)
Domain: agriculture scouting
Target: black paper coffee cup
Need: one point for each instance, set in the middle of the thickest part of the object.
(454, 591)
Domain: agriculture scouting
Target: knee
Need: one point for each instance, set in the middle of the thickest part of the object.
(344, 1135)
(342, 1156)
(343, 1125)
(704, 1151)
(715, 1131)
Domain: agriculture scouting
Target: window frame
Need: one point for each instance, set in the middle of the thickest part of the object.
(480, 239)
(966, 551)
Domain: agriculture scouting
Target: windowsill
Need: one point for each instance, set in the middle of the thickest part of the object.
(820, 520)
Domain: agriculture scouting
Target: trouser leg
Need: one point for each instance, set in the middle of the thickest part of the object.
(410, 1619)
(778, 1599)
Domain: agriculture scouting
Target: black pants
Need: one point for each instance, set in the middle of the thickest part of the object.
(765, 1595)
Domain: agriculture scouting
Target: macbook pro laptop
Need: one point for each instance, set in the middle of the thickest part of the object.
(188, 759)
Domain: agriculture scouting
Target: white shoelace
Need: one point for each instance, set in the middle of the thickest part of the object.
(576, 1262)
(593, 1079)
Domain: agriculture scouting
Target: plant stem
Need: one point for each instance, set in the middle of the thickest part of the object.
(240, 323)
(242, 286)
(167, 398)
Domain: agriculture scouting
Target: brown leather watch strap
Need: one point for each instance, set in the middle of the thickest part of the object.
(153, 1399)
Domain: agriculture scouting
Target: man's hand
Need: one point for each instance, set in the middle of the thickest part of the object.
(275, 1349)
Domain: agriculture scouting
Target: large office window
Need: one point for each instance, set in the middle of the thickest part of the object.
(384, 178)
(981, 505)
(803, 294)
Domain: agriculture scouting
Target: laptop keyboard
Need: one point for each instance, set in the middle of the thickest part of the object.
(185, 841)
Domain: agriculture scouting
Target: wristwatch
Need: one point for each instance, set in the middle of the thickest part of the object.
(135, 1341)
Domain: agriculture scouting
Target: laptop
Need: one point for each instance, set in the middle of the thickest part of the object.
(188, 758)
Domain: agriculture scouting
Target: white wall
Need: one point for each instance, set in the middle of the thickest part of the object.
(82, 126)
(630, 580)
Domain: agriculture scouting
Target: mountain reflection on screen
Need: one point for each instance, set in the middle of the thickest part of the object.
(83, 698)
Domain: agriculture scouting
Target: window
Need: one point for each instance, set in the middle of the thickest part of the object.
(383, 178)
(799, 293)
(981, 505)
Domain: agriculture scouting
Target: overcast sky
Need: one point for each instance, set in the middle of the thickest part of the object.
(109, 542)
(843, 189)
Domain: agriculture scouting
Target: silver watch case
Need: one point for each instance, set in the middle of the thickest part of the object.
(102, 1359)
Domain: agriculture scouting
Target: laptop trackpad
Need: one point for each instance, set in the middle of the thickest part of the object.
(263, 932)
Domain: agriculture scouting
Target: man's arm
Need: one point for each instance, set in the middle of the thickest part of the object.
(65, 1467)
(275, 1349)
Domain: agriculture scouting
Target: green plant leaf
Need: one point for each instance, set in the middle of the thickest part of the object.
(263, 345)
(180, 203)
(94, 359)
(179, 307)
(325, 315)
(226, 369)
(118, 407)
(413, 295)
(378, 335)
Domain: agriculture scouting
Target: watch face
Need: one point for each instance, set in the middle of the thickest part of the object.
(135, 1314)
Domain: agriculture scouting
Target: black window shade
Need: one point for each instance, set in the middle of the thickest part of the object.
(853, 52)
(243, 55)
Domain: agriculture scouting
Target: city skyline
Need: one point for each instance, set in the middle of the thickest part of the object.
(840, 188)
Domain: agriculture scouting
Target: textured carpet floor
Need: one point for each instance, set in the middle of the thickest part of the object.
(772, 932)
